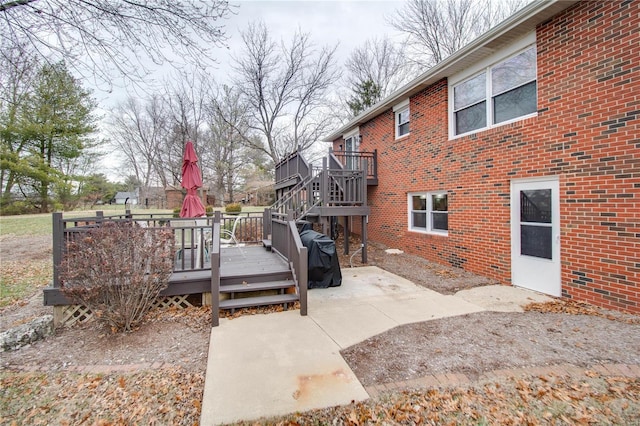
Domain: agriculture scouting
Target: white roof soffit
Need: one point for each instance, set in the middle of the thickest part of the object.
(508, 30)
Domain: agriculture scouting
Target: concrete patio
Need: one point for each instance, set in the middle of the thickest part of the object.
(266, 365)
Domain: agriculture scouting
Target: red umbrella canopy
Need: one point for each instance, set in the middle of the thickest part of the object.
(191, 177)
(191, 181)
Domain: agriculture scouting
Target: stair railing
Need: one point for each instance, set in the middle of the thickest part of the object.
(286, 242)
(298, 261)
(295, 191)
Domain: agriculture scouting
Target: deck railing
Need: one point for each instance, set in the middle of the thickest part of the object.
(192, 237)
(293, 165)
(355, 160)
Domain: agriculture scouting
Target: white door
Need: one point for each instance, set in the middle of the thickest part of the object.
(352, 146)
(535, 235)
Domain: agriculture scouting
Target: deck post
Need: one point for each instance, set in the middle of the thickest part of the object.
(364, 238)
(324, 186)
(58, 241)
(215, 271)
(303, 280)
(266, 224)
(289, 219)
(375, 163)
(346, 234)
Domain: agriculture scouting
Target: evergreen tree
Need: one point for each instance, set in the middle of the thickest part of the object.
(365, 95)
(57, 124)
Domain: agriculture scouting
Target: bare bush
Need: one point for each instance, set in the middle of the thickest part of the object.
(117, 271)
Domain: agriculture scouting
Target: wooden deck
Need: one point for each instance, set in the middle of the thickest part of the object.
(238, 264)
(253, 260)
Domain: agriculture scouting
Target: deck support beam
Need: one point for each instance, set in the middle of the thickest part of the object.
(346, 235)
(364, 236)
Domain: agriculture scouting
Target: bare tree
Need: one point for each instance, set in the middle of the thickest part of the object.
(229, 128)
(285, 87)
(375, 69)
(378, 60)
(186, 101)
(139, 132)
(99, 36)
(437, 28)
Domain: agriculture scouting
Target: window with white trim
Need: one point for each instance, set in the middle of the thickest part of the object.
(503, 92)
(402, 117)
(429, 212)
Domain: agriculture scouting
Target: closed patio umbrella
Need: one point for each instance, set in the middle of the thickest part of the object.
(191, 181)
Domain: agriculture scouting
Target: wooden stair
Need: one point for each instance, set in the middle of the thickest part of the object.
(273, 287)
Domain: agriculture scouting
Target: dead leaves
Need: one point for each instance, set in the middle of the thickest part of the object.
(520, 401)
(196, 317)
(20, 279)
(258, 310)
(573, 307)
(169, 396)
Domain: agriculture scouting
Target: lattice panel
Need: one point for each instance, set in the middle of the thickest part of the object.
(178, 301)
(72, 314)
(75, 314)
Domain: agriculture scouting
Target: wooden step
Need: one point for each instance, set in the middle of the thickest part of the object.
(266, 244)
(271, 285)
(247, 302)
(256, 278)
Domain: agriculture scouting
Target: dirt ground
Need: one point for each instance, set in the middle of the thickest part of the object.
(469, 344)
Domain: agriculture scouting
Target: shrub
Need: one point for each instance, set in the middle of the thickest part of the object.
(118, 271)
(176, 211)
(209, 210)
(233, 208)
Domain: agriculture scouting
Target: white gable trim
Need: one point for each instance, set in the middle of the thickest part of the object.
(402, 105)
(351, 132)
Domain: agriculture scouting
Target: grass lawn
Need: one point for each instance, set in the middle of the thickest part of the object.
(40, 224)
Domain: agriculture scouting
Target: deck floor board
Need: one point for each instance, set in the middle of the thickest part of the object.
(238, 261)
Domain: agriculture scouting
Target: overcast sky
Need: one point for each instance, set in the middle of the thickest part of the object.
(330, 22)
(346, 23)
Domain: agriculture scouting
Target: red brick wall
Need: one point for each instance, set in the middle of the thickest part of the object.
(587, 132)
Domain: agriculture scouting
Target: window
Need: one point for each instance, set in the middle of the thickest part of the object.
(429, 212)
(499, 93)
(402, 118)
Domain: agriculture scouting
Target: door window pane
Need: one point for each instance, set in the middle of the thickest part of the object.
(535, 205)
(535, 240)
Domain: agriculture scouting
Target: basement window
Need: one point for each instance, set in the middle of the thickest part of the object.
(429, 212)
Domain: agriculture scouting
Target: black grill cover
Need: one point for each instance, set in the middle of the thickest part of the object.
(304, 225)
(324, 269)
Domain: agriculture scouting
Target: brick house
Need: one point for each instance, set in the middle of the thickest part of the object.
(518, 157)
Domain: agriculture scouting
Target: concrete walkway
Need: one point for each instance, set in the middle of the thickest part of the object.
(266, 365)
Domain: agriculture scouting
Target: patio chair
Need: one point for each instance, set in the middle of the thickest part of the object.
(229, 237)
